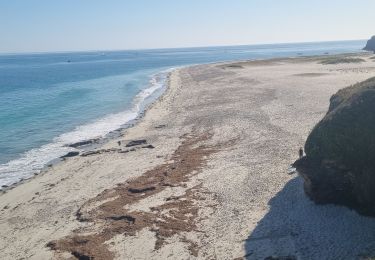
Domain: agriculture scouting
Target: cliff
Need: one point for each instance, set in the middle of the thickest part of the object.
(339, 166)
(370, 46)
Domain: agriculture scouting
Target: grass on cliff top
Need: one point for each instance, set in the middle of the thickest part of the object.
(345, 93)
(340, 60)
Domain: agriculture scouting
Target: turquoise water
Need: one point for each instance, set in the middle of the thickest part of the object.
(50, 100)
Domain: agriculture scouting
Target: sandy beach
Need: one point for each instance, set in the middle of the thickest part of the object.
(207, 179)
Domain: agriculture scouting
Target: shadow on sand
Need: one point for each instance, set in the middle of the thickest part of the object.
(296, 228)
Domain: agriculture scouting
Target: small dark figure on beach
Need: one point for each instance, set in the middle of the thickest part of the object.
(300, 152)
(119, 143)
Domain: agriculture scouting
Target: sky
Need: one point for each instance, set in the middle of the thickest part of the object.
(74, 25)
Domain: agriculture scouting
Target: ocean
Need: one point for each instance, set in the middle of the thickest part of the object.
(51, 100)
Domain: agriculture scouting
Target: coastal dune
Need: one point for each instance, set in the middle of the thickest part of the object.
(209, 177)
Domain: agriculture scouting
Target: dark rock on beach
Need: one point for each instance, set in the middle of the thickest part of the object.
(141, 190)
(88, 153)
(370, 46)
(83, 143)
(339, 166)
(70, 154)
(136, 142)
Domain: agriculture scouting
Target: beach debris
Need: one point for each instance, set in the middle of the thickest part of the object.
(101, 151)
(150, 146)
(172, 198)
(141, 190)
(70, 154)
(232, 66)
(136, 142)
(235, 66)
(84, 143)
(88, 153)
(127, 218)
(173, 218)
(160, 126)
(310, 74)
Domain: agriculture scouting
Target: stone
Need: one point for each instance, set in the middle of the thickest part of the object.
(83, 143)
(150, 146)
(70, 154)
(88, 153)
(136, 142)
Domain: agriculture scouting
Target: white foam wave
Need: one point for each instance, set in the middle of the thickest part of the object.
(34, 160)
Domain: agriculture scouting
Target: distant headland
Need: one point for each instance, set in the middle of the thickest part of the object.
(370, 46)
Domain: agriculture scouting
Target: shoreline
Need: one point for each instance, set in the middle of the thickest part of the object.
(101, 141)
(252, 114)
(95, 143)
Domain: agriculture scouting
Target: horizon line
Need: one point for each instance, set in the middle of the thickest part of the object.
(167, 48)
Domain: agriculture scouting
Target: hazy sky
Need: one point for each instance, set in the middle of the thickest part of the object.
(60, 25)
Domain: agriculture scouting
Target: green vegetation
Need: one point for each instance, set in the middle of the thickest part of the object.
(347, 131)
(339, 60)
(339, 166)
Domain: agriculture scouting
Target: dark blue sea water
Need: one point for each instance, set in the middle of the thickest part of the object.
(50, 100)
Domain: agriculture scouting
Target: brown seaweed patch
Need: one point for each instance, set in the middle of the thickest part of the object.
(233, 66)
(310, 74)
(108, 214)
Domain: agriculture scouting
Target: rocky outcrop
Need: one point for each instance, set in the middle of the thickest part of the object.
(370, 46)
(339, 166)
(84, 143)
(70, 154)
(136, 142)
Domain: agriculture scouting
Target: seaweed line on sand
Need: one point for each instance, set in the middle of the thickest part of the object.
(108, 215)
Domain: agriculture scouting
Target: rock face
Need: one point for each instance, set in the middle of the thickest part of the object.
(339, 166)
(370, 46)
